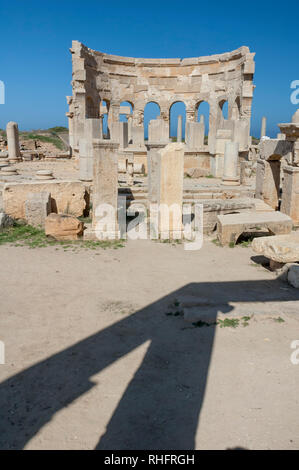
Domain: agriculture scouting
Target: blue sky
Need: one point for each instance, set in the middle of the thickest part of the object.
(35, 63)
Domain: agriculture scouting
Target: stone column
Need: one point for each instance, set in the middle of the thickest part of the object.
(268, 181)
(263, 126)
(180, 129)
(170, 196)
(130, 120)
(13, 144)
(230, 168)
(130, 168)
(290, 193)
(105, 190)
(101, 117)
(202, 119)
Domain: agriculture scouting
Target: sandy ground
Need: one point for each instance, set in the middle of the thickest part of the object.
(94, 361)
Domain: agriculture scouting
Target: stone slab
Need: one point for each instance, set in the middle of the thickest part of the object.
(279, 248)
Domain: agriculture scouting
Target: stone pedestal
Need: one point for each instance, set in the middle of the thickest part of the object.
(230, 168)
(105, 190)
(13, 145)
(158, 131)
(290, 193)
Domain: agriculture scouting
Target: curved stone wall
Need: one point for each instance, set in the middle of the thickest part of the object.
(99, 77)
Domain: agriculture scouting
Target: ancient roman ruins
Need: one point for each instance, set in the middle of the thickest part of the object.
(242, 185)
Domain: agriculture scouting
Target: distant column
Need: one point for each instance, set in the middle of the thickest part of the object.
(12, 132)
(180, 129)
(264, 126)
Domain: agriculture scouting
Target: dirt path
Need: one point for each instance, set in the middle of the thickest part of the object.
(94, 361)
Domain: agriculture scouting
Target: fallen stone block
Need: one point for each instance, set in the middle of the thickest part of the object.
(279, 248)
(231, 226)
(37, 208)
(293, 276)
(63, 227)
(69, 197)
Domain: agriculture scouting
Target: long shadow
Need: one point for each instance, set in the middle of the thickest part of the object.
(161, 405)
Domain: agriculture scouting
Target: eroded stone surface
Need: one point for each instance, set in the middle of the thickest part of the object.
(279, 248)
(63, 227)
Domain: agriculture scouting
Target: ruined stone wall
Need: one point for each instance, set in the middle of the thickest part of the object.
(99, 77)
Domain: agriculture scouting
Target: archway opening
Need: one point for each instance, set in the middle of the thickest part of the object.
(125, 109)
(224, 109)
(203, 115)
(151, 111)
(104, 110)
(176, 109)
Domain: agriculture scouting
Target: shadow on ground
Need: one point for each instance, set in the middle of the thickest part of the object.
(160, 407)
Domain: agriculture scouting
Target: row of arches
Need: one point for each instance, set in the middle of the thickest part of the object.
(152, 111)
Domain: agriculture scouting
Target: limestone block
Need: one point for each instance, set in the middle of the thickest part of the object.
(170, 174)
(63, 227)
(158, 131)
(231, 226)
(195, 133)
(279, 248)
(37, 208)
(66, 197)
(290, 193)
(293, 276)
(5, 221)
(268, 182)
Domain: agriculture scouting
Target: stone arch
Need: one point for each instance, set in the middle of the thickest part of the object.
(123, 116)
(235, 111)
(152, 110)
(178, 107)
(203, 109)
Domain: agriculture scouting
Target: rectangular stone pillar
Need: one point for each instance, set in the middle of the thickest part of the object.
(195, 134)
(268, 182)
(153, 168)
(105, 190)
(170, 196)
(223, 137)
(138, 136)
(158, 131)
(290, 193)
(92, 130)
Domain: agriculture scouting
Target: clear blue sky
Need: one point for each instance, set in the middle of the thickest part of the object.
(35, 63)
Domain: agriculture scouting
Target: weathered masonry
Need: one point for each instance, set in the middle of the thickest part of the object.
(101, 82)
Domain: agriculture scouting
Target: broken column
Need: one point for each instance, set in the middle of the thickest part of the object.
(170, 174)
(105, 190)
(13, 145)
(230, 168)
